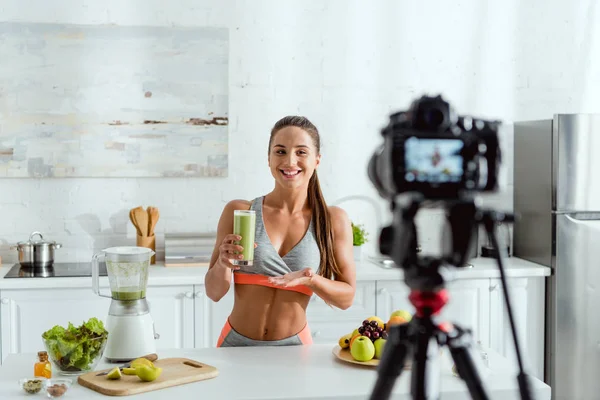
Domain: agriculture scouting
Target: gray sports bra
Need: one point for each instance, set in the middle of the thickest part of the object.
(266, 259)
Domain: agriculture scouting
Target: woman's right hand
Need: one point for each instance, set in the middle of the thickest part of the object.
(227, 251)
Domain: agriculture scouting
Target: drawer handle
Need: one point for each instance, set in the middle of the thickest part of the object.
(383, 291)
(313, 299)
(5, 300)
(316, 333)
(199, 294)
(189, 295)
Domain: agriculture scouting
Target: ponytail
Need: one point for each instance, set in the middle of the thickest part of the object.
(328, 267)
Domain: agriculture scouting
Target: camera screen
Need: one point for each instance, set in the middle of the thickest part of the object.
(433, 160)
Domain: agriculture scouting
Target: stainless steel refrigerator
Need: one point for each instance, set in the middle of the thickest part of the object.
(557, 196)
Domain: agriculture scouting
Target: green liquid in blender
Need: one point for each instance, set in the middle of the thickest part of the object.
(129, 295)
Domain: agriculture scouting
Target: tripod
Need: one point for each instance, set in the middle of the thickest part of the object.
(426, 277)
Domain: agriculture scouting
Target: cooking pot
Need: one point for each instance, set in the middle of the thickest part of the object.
(37, 253)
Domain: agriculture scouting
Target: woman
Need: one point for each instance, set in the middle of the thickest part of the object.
(301, 247)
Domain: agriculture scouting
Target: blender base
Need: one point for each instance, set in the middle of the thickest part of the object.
(129, 337)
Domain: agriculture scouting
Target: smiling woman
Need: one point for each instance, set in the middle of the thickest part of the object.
(303, 247)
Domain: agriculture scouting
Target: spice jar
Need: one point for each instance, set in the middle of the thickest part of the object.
(42, 368)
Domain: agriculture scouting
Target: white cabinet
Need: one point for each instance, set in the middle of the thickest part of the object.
(172, 309)
(209, 317)
(527, 298)
(26, 314)
(185, 317)
(468, 305)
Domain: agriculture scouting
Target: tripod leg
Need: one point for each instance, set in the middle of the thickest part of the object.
(425, 384)
(459, 343)
(391, 363)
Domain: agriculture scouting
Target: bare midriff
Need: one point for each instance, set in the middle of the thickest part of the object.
(265, 313)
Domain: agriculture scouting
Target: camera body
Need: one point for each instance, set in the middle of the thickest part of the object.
(431, 150)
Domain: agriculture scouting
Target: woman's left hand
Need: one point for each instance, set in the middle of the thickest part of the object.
(292, 279)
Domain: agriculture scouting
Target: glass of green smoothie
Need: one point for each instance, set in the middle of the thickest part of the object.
(244, 225)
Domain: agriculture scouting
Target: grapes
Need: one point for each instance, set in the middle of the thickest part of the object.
(384, 335)
(374, 324)
(361, 329)
(366, 322)
(367, 334)
(375, 335)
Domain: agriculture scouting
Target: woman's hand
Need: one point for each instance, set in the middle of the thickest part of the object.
(292, 279)
(228, 250)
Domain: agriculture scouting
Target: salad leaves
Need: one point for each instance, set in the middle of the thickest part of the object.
(76, 348)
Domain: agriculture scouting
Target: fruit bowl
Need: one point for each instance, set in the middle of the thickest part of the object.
(344, 355)
(366, 343)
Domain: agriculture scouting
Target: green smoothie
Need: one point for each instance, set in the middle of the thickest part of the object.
(244, 224)
(129, 295)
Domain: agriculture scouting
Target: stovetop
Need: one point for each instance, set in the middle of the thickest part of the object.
(57, 270)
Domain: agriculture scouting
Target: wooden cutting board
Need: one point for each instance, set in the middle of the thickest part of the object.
(176, 371)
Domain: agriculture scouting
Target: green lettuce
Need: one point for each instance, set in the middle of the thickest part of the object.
(76, 348)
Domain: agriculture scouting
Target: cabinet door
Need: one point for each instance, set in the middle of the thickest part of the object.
(172, 309)
(527, 299)
(391, 296)
(26, 314)
(327, 323)
(468, 306)
(209, 317)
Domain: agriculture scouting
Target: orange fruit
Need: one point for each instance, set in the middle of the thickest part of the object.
(354, 337)
(395, 320)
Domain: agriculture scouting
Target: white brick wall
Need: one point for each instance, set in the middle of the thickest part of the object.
(344, 64)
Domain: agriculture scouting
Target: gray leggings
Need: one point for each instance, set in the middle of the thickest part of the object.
(231, 338)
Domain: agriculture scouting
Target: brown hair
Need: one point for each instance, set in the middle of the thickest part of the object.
(328, 267)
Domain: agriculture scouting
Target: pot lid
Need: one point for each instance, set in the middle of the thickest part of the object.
(37, 242)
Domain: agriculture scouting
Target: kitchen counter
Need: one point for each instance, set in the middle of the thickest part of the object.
(292, 372)
(365, 271)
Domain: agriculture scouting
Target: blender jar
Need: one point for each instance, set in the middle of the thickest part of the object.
(127, 270)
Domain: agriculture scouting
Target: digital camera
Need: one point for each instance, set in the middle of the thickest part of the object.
(431, 150)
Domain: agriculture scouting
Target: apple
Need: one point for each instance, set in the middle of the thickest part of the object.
(379, 344)
(362, 349)
(402, 314)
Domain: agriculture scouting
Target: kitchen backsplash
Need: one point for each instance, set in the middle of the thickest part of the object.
(325, 68)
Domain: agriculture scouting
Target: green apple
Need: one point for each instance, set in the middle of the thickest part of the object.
(355, 332)
(402, 314)
(379, 344)
(362, 349)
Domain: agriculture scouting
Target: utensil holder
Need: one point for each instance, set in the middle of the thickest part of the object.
(148, 242)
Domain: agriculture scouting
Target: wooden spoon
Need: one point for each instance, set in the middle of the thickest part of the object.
(141, 217)
(153, 216)
(134, 222)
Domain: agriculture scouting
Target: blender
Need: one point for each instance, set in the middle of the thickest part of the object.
(129, 323)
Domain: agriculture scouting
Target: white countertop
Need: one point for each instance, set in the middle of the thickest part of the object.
(365, 271)
(291, 372)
